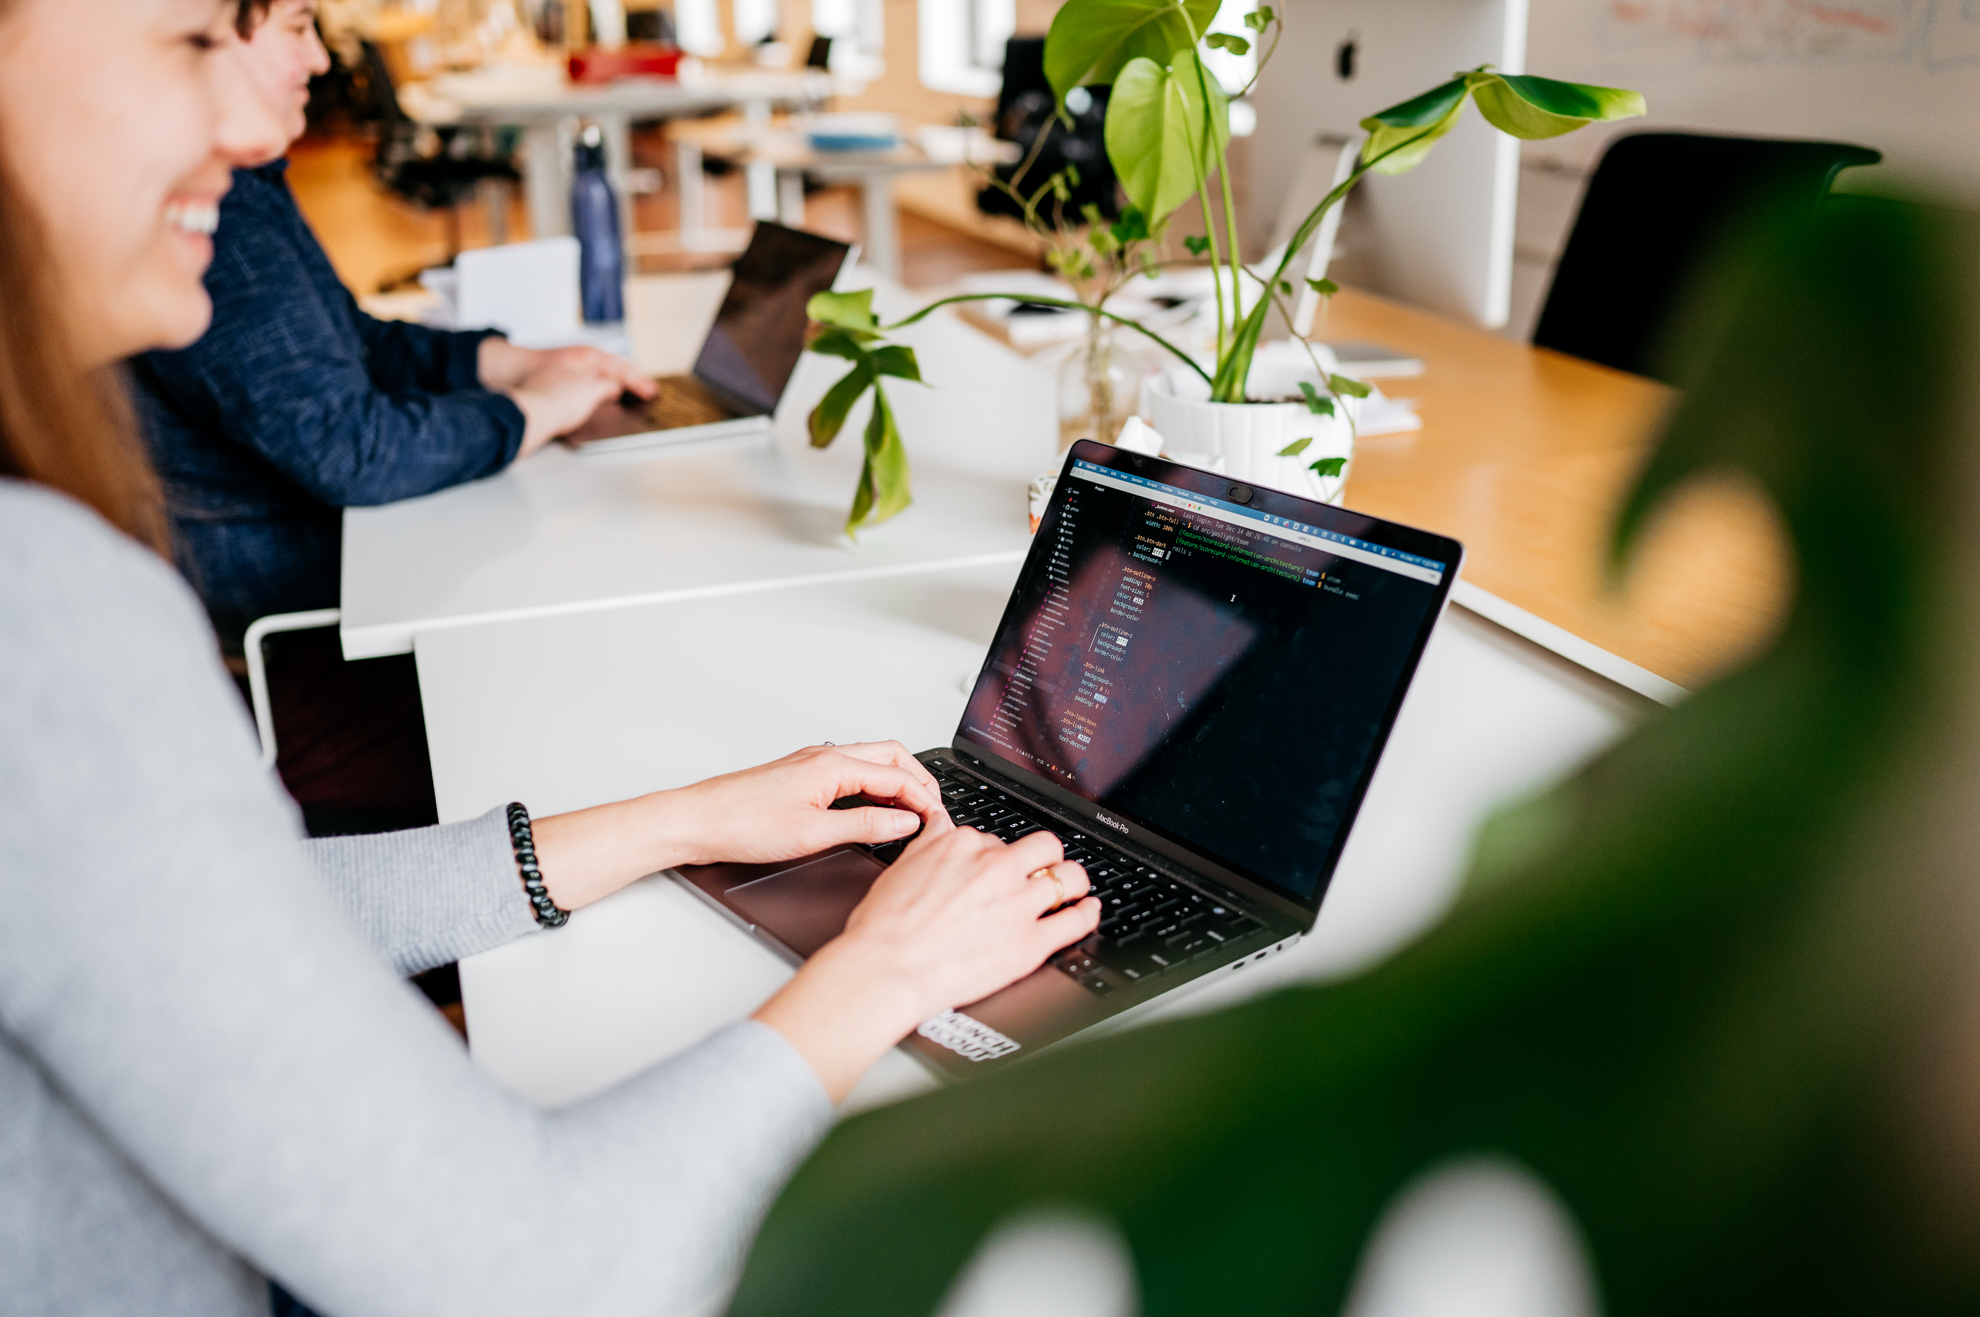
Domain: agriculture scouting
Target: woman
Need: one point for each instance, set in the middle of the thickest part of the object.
(210, 1072)
(295, 405)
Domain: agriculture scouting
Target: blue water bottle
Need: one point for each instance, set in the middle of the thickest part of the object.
(595, 220)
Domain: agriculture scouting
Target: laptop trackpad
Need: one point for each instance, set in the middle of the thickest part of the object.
(806, 907)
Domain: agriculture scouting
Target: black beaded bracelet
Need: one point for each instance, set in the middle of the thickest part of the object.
(520, 836)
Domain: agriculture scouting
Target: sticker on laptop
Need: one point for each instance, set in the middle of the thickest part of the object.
(966, 1037)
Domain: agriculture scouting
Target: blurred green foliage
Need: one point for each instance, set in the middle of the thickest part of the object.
(1690, 989)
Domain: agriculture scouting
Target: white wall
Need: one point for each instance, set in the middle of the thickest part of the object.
(1902, 76)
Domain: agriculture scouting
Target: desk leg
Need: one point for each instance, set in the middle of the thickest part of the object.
(693, 194)
(790, 198)
(544, 184)
(883, 227)
(617, 131)
(760, 175)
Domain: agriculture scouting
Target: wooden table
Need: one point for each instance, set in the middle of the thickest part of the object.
(1524, 455)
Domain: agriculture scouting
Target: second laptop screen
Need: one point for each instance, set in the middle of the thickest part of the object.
(1216, 674)
(758, 334)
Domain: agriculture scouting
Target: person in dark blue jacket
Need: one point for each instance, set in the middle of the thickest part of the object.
(296, 405)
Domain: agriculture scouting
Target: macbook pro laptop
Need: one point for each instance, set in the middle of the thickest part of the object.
(746, 361)
(1191, 685)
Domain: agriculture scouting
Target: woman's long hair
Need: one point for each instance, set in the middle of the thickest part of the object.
(63, 424)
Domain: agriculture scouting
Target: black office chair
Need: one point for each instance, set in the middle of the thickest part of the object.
(441, 180)
(1024, 109)
(1656, 204)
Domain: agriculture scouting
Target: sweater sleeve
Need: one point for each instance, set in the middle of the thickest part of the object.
(429, 895)
(177, 965)
(352, 423)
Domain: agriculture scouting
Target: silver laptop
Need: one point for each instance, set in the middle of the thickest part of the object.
(746, 360)
(1191, 685)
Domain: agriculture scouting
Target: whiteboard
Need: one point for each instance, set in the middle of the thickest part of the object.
(1900, 76)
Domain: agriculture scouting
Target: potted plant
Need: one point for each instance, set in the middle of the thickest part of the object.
(1167, 129)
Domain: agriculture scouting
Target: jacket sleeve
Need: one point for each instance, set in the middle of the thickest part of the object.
(408, 356)
(339, 414)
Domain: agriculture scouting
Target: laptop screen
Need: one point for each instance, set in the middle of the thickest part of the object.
(758, 334)
(1221, 673)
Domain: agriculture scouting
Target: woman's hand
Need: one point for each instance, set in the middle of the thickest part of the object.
(776, 812)
(557, 389)
(957, 917)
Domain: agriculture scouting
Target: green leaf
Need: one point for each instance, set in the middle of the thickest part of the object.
(1197, 244)
(1132, 226)
(1402, 135)
(1226, 41)
(1093, 40)
(1285, 286)
(1157, 133)
(847, 343)
(897, 361)
(1352, 388)
(1260, 18)
(1090, 213)
(1533, 108)
(846, 310)
(829, 416)
(1316, 404)
(883, 477)
(1324, 287)
(1297, 446)
(1329, 466)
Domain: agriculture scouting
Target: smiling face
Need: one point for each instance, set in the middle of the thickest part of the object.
(283, 54)
(120, 122)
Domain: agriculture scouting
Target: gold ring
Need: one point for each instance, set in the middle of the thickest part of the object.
(1057, 886)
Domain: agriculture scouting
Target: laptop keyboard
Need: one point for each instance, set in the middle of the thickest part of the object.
(1149, 922)
(683, 401)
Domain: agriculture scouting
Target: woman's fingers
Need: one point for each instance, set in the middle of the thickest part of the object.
(873, 824)
(914, 789)
(895, 754)
(1034, 851)
(1064, 927)
(1058, 884)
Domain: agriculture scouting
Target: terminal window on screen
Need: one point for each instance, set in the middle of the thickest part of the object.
(1196, 669)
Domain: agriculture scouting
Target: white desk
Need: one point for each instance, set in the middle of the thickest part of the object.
(634, 699)
(544, 103)
(562, 532)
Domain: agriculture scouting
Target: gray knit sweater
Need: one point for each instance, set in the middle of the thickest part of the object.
(211, 1070)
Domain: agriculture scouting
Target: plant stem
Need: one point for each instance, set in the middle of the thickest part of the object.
(1149, 334)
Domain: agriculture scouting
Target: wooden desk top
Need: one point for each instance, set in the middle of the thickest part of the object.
(1524, 456)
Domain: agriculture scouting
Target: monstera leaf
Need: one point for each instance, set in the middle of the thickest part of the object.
(1156, 131)
(1527, 108)
(1714, 990)
(1091, 41)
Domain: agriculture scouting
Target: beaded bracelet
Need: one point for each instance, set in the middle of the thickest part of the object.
(520, 836)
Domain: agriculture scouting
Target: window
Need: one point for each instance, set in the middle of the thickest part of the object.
(854, 24)
(962, 44)
(698, 27)
(756, 21)
(1233, 71)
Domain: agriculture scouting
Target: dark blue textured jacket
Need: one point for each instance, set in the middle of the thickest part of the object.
(296, 405)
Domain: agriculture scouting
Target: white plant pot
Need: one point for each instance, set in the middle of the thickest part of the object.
(1244, 440)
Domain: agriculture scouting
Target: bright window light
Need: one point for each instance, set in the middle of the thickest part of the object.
(1233, 71)
(698, 27)
(854, 22)
(756, 20)
(962, 44)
